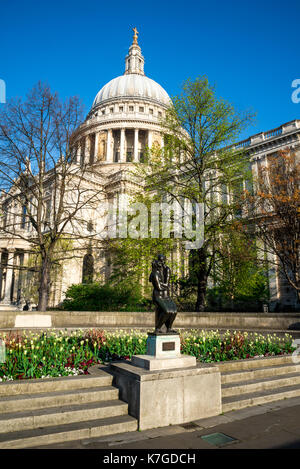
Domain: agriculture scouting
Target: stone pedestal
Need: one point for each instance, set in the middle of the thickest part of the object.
(168, 397)
(163, 353)
(165, 387)
(163, 345)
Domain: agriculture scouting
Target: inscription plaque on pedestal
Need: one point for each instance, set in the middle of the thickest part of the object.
(168, 346)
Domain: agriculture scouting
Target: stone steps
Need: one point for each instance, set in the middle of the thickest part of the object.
(259, 398)
(231, 377)
(54, 384)
(256, 385)
(68, 432)
(258, 381)
(48, 417)
(254, 363)
(56, 398)
(46, 411)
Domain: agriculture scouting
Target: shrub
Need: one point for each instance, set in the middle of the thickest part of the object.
(108, 297)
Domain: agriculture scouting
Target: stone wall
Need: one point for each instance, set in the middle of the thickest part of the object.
(234, 321)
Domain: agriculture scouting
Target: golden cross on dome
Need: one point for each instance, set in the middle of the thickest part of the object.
(135, 36)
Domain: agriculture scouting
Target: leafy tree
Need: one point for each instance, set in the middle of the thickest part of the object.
(132, 257)
(238, 274)
(274, 208)
(198, 162)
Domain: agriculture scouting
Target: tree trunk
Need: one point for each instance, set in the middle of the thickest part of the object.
(201, 273)
(44, 284)
(201, 294)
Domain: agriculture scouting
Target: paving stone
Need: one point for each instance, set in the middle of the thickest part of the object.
(180, 441)
(278, 440)
(294, 401)
(116, 439)
(213, 421)
(245, 413)
(164, 431)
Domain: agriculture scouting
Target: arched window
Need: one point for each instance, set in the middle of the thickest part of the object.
(88, 269)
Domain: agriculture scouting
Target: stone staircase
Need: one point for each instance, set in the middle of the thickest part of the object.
(47, 411)
(253, 382)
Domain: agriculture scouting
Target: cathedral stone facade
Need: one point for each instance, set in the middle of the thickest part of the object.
(124, 120)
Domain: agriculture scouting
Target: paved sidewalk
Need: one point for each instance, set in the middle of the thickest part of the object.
(268, 426)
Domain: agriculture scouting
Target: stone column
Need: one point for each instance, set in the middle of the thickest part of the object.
(22, 276)
(254, 167)
(78, 150)
(136, 146)
(108, 146)
(149, 139)
(122, 146)
(17, 263)
(162, 149)
(87, 149)
(1, 274)
(9, 276)
(82, 151)
(96, 146)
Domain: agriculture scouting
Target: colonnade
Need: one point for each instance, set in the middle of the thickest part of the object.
(11, 277)
(119, 145)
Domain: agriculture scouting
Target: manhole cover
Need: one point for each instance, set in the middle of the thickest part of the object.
(218, 439)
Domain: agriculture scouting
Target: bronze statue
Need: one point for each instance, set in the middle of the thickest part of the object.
(135, 36)
(165, 307)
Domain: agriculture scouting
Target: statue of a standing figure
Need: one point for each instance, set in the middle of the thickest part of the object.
(165, 307)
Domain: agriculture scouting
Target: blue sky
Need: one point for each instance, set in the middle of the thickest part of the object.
(249, 49)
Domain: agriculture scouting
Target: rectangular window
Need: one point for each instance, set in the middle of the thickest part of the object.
(150, 111)
(4, 215)
(224, 192)
(141, 109)
(129, 156)
(23, 217)
(130, 108)
(121, 108)
(48, 210)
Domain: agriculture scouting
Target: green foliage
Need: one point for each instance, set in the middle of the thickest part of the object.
(132, 258)
(238, 276)
(211, 346)
(50, 354)
(198, 162)
(121, 344)
(108, 297)
(54, 354)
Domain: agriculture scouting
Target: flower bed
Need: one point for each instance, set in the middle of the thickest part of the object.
(211, 346)
(49, 354)
(53, 354)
